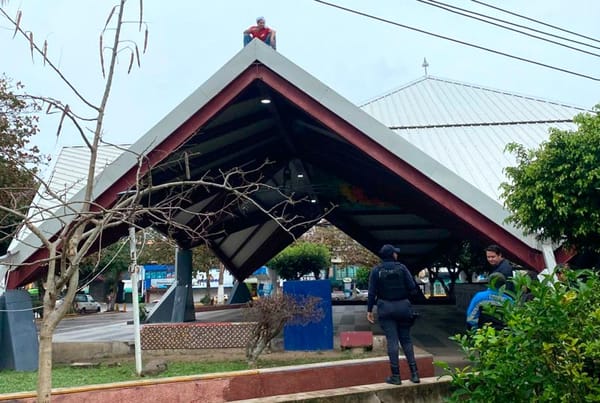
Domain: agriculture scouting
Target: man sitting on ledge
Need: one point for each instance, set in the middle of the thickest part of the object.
(260, 31)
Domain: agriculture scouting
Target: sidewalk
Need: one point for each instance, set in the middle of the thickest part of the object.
(430, 333)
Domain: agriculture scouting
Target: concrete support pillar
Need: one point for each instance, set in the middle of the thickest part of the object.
(177, 305)
(549, 258)
(183, 305)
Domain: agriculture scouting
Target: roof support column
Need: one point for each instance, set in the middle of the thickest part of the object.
(183, 306)
(3, 278)
(548, 253)
(177, 305)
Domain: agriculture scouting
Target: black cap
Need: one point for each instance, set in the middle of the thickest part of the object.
(387, 250)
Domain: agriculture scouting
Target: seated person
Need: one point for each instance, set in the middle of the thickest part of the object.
(476, 316)
(260, 31)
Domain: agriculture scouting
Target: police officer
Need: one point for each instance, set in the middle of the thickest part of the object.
(390, 285)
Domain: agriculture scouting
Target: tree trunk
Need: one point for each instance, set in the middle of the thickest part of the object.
(44, 385)
(208, 284)
(221, 288)
(256, 346)
(48, 325)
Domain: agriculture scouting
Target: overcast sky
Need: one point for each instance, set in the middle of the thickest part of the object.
(358, 57)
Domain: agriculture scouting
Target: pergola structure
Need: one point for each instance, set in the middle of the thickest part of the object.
(260, 106)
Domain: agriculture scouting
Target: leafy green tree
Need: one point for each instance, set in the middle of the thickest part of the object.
(340, 245)
(156, 249)
(18, 158)
(110, 263)
(457, 256)
(554, 191)
(362, 277)
(301, 259)
(549, 351)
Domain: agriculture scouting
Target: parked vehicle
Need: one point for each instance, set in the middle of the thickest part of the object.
(362, 295)
(338, 295)
(84, 303)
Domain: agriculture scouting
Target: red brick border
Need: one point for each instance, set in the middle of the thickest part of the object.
(230, 386)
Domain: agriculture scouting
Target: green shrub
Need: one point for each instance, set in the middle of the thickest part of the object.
(549, 352)
(301, 259)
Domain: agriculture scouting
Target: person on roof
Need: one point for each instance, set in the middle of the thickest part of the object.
(390, 286)
(260, 31)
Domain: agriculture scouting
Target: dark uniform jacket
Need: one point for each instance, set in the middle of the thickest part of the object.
(390, 287)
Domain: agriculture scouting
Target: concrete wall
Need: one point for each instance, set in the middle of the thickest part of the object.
(66, 353)
(260, 383)
(464, 293)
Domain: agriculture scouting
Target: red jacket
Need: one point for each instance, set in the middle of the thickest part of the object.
(259, 33)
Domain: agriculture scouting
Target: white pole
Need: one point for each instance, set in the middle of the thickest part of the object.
(221, 288)
(135, 270)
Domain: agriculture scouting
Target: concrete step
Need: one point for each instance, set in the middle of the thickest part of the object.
(430, 390)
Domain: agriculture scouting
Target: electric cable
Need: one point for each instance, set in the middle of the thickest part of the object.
(534, 20)
(88, 282)
(449, 7)
(523, 59)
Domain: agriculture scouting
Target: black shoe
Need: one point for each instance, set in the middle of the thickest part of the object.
(394, 380)
(414, 377)
(414, 374)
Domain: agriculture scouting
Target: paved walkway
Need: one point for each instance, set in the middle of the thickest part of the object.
(430, 333)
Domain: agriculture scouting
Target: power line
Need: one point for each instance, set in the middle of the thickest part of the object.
(534, 20)
(448, 7)
(459, 41)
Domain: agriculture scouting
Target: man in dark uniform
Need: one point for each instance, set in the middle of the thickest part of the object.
(495, 258)
(390, 285)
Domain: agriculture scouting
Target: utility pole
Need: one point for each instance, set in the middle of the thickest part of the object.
(134, 270)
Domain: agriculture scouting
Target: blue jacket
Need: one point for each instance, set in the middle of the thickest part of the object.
(479, 300)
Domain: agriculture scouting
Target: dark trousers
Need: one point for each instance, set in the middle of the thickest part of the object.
(248, 39)
(396, 331)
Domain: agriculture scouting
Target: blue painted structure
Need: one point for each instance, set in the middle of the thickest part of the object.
(313, 336)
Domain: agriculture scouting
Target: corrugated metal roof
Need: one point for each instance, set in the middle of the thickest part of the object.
(67, 176)
(432, 101)
(467, 127)
(71, 168)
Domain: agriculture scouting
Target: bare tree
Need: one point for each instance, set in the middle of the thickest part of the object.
(271, 314)
(82, 224)
(66, 250)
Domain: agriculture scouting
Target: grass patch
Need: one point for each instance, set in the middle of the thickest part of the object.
(65, 376)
